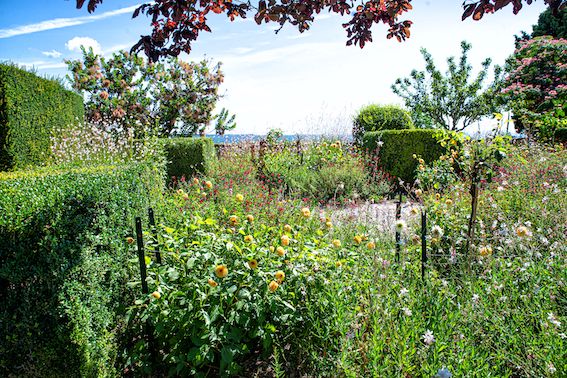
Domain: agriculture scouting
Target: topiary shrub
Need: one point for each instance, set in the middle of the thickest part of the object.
(561, 135)
(187, 156)
(30, 108)
(395, 149)
(64, 266)
(380, 117)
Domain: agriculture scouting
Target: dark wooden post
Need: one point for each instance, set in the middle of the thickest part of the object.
(152, 220)
(423, 242)
(398, 233)
(141, 256)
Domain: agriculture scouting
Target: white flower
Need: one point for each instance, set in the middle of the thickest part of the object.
(404, 292)
(437, 232)
(400, 225)
(475, 298)
(444, 283)
(428, 337)
(380, 143)
(407, 311)
(554, 320)
(551, 368)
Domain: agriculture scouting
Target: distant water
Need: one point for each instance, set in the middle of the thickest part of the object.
(235, 138)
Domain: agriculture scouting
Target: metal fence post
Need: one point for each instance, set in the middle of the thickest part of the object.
(423, 242)
(398, 232)
(141, 256)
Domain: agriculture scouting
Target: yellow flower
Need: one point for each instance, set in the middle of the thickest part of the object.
(230, 231)
(248, 238)
(253, 264)
(272, 249)
(338, 264)
(195, 181)
(280, 251)
(418, 192)
(180, 191)
(130, 240)
(414, 156)
(208, 184)
(285, 240)
(280, 276)
(371, 245)
(212, 282)
(485, 251)
(233, 219)
(239, 197)
(202, 195)
(250, 218)
(416, 239)
(287, 228)
(273, 286)
(185, 196)
(414, 211)
(522, 231)
(448, 202)
(156, 295)
(221, 271)
(357, 239)
(329, 224)
(336, 243)
(306, 212)
(437, 196)
(333, 145)
(421, 161)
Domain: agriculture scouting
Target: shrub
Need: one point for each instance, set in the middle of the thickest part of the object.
(63, 265)
(380, 117)
(395, 149)
(561, 135)
(187, 156)
(30, 109)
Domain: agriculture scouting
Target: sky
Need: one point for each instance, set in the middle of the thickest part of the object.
(310, 83)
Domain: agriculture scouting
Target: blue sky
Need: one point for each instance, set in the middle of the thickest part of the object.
(302, 83)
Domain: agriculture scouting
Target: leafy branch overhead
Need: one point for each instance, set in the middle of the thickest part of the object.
(177, 23)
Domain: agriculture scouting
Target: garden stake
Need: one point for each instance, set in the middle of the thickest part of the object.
(423, 242)
(141, 257)
(398, 235)
(154, 234)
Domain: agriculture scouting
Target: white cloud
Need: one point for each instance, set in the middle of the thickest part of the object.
(52, 53)
(58, 23)
(74, 44)
(41, 65)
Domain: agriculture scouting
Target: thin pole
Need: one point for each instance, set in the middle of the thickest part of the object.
(141, 257)
(398, 234)
(423, 242)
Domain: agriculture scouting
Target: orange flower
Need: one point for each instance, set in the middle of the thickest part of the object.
(221, 271)
(280, 251)
(195, 181)
(208, 184)
(250, 218)
(285, 240)
(130, 240)
(306, 212)
(280, 276)
(233, 219)
(371, 245)
(248, 238)
(253, 264)
(287, 228)
(239, 197)
(273, 286)
(156, 295)
(357, 239)
(336, 243)
(212, 282)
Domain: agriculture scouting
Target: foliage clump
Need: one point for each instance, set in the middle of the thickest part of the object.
(380, 117)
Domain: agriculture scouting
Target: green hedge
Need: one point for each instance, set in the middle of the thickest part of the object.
(380, 117)
(561, 135)
(187, 156)
(64, 266)
(30, 108)
(397, 149)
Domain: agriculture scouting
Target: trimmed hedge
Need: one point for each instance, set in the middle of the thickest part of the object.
(396, 152)
(30, 108)
(64, 266)
(187, 156)
(380, 117)
(561, 135)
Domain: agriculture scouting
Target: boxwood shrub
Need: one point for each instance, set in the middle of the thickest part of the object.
(63, 266)
(397, 147)
(30, 108)
(380, 117)
(187, 156)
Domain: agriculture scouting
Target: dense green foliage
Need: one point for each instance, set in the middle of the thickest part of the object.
(187, 156)
(30, 109)
(561, 135)
(534, 88)
(380, 117)
(396, 150)
(63, 266)
(548, 24)
(452, 100)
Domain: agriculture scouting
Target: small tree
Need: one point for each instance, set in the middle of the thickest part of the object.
(535, 88)
(223, 122)
(449, 101)
(125, 90)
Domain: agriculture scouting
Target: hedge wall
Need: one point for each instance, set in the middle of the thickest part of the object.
(396, 152)
(64, 266)
(380, 117)
(187, 156)
(30, 108)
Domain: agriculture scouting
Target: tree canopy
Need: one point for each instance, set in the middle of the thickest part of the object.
(553, 25)
(177, 23)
